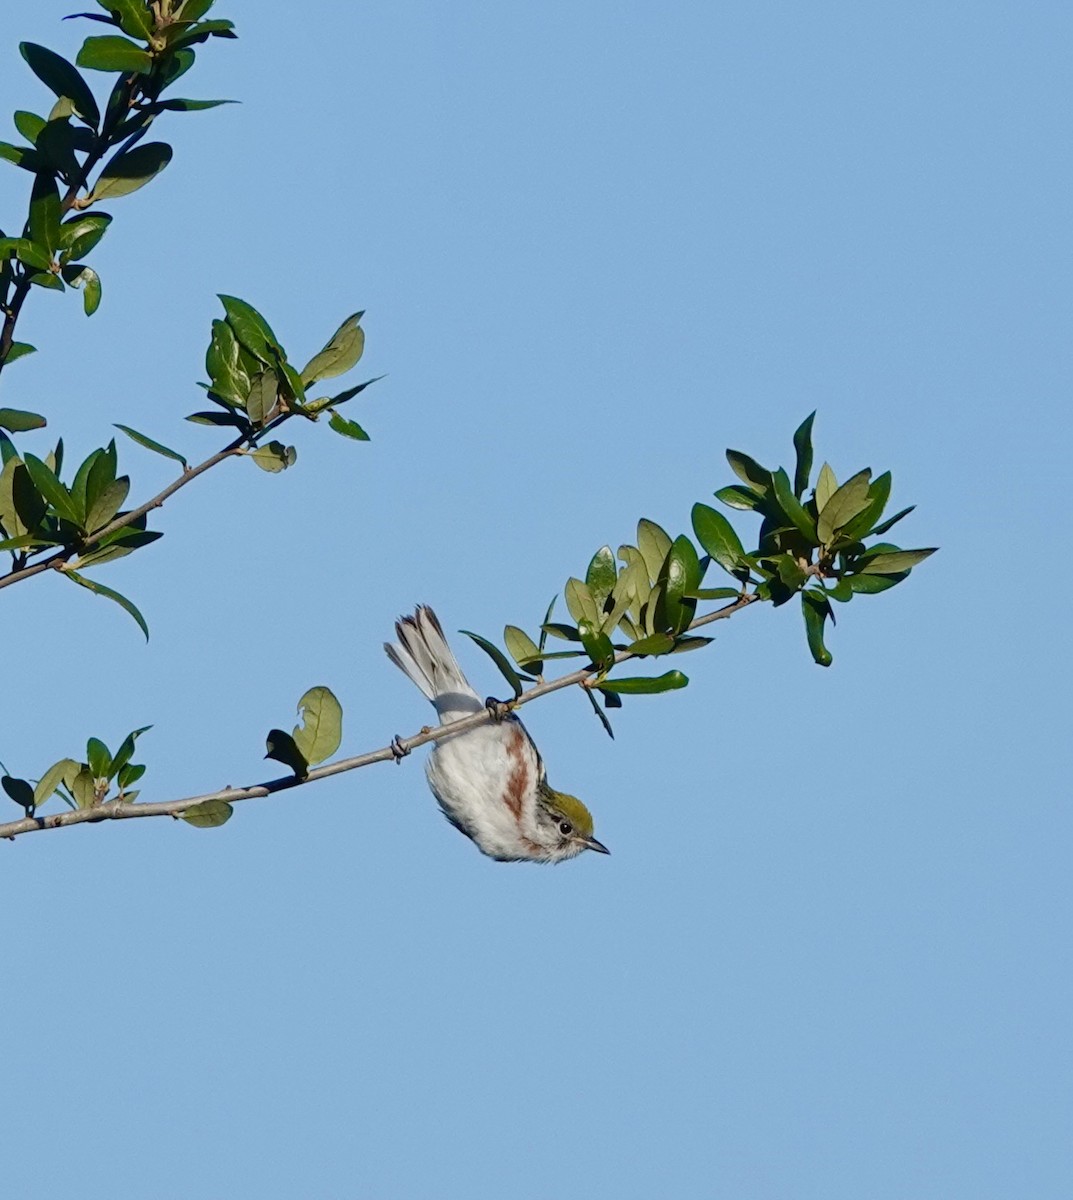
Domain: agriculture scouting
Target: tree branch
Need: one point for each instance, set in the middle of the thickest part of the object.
(117, 810)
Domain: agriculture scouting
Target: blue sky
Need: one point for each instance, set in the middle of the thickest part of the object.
(829, 956)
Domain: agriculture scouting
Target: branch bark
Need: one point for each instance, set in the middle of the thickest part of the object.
(117, 810)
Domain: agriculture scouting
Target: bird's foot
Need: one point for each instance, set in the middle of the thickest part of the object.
(398, 749)
(499, 709)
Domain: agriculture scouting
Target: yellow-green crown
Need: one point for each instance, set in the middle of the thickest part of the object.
(573, 810)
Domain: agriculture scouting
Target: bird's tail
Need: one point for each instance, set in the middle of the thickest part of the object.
(422, 653)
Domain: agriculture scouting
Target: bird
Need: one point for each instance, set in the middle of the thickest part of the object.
(490, 781)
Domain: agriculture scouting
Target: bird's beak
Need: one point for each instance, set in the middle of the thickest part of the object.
(592, 844)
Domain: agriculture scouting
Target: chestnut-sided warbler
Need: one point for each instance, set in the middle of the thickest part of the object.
(489, 781)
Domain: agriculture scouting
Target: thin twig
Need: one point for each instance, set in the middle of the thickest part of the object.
(115, 810)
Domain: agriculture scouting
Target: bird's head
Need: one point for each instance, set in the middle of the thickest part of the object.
(564, 826)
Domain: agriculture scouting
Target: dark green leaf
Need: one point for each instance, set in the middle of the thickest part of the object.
(175, 65)
(105, 506)
(644, 686)
(149, 444)
(79, 275)
(132, 169)
(803, 448)
(889, 524)
(716, 593)
(499, 658)
(178, 105)
(46, 279)
(51, 489)
(129, 774)
(566, 632)
(44, 224)
(870, 585)
(220, 418)
(601, 715)
(21, 156)
(113, 53)
(894, 563)
(20, 791)
(679, 575)
(208, 814)
(789, 504)
(342, 351)
(26, 252)
(17, 421)
(597, 646)
(816, 609)
(343, 397)
(63, 79)
(321, 731)
(350, 429)
(251, 329)
(19, 350)
(749, 471)
(98, 589)
(126, 751)
(717, 536)
(547, 618)
(850, 499)
(283, 748)
(194, 10)
(79, 235)
(683, 645)
(99, 758)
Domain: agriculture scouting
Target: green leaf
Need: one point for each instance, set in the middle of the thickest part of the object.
(716, 593)
(17, 421)
(894, 563)
(601, 576)
(194, 10)
(581, 603)
(98, 589)
(601, 715)
(178, 105)
(274, 457)
(803, 449)
(342, 351)
(19, 350)
(264, 396)
(749, 471)
(522, 649)
(99, 758)
(654, 644)
(126, 751)
(738, 497)
(717, 536)
(889, 524)
(343, 397)
(129, 774)
(219, 418)
(251, 329)
(63, 771)
(26, 252)
(82, 787)
(80, 276)
(790, 571)
(79, 235)
(283, 748)
(597, 646)
(566, 632)
(816, 609)
(679, 575)
(20, 791)
(114, 53)
(321, 731)
(795, 512)
(850, 499)
(21, 156)
(208, 814)
(870, 585)
(44, 224)
(46, 279)
(547, 618)
(105, 506)
(654, 543)
(683, 645)
(63, 79)
(149, 444)
(350, 429)
(645, 686)
(826, 486)
(878, 495)
(132, 169)
(499, 658)
(29, 125)
(22, 507)
(133, 17)
(51, 489)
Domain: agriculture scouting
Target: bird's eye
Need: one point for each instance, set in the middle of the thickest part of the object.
(565, 828)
